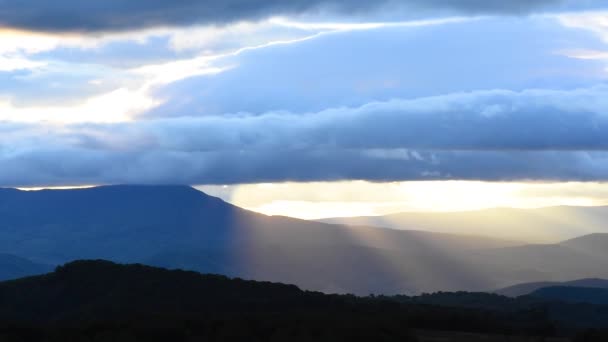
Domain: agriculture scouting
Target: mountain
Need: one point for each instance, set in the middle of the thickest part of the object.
(572, 294)
(542, 225)
(527, 288)
(12, 267)
(180, 227)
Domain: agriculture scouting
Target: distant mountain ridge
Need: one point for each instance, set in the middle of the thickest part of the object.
(180, 227)
(542, 225)
(13, 267)
(592, 244)
(528, 288)
(573, 294)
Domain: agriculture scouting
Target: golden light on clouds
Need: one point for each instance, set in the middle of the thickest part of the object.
(361, 198)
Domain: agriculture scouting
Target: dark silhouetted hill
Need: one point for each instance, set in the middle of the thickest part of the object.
(104, 301)
(102, 289)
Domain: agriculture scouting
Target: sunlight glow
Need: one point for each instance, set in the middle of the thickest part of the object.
(361, 198)
(116, 106)
(18, 63)
(122, 104)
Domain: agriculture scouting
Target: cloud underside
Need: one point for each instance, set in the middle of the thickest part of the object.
(118, 15)
(485, 135)
(78, 167)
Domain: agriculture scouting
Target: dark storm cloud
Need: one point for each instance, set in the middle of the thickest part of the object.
(490, 135)
(116, 15)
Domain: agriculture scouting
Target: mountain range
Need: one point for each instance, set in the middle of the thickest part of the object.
(180, 227)
(541, 225)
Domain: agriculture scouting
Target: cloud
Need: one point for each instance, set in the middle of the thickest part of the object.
(486, 135)
(317, 66)
(117, 15)
(18, 63)
(595, 22)
(65, 69)
(44, 166)
(117, 105)
(357, 67)
(392, 103)
(480, 120)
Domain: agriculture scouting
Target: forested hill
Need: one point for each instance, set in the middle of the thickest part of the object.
(105, 301)
(102, 289)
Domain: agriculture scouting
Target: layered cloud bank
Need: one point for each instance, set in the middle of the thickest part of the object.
(486, 135)
(270, 100)
(118, 15)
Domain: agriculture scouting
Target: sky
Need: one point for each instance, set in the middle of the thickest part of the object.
(311, 108)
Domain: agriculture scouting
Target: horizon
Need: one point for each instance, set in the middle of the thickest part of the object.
(265, 204)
